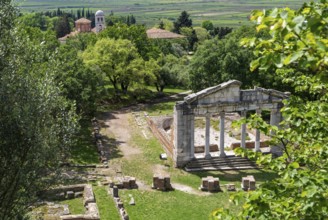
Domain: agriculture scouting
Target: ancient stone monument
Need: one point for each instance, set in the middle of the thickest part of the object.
(162, 183)
(219, 100)
(248, 183)
(210, 184)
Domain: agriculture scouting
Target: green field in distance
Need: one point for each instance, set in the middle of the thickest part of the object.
(220, 12)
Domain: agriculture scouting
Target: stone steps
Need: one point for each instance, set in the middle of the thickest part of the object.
(220, 163)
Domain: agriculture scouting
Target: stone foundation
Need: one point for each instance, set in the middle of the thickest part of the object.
(162, 183)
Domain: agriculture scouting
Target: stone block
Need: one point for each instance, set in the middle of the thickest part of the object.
(248, 183)
(88, 195)
(231, 187)
(78, 194)
(92, 209)
(210, 184)
(120, 205)
(115, 191)
(132, 202)
(70, 194)
(61, 196)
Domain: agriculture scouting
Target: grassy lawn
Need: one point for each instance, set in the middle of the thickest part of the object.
(75, 205)
(105, 203)
(172, 205)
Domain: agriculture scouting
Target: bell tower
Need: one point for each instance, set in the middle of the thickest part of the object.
(100, 21)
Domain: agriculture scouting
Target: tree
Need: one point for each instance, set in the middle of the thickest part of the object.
(62, 26)
(201, 34)
(191, 37)
(220, 32)
(36, 123)
(37, 20)
(118, 59)
(297, 49)
(134, 33)
(161, 25)
(79, 83)
(183, 21)
(217, 61)
(208, 25)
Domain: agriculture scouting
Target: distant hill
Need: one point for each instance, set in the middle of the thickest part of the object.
(220, 12)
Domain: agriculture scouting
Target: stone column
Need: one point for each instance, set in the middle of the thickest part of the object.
(207, 137)
(222, 153)
(192, 137)
(275, 119)
(257, 135)
(243, 131)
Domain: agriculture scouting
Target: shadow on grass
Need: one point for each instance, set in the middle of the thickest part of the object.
(113, 145)
(84, 150)
(236, 175)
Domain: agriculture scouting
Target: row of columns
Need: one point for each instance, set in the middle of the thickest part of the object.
(273, 121)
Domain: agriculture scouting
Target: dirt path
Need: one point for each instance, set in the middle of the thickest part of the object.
(118, 124)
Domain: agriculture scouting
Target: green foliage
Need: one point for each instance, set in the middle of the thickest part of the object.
(37, 20)
(62, 26)
(134, 33)
(220, 32)
(169, 71)
(79, 83)
(182, 21)
(36, 123)
(119, 60)
(217, 61)
(297, 49)
(208, 25)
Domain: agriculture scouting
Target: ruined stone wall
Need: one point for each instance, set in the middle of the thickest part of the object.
(160, 134)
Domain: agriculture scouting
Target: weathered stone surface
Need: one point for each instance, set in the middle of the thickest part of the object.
(210, 184)
(132, 202)
(92, 209)
(224, 98)
(70, 194)
(231, 187)
(248, 183)
(88, 195)
(162, 183)
(78, 194)
(115, 191)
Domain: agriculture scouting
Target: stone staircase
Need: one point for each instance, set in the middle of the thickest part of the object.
(220, 163)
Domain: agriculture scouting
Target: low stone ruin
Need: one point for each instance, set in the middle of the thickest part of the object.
(126, 182)
(231, 187)
(74, 191)
(162, 183)
(119, 204)
(211, 184)
(248, 183)
(103, 152)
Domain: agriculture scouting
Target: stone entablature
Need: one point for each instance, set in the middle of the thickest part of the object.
(220, 99)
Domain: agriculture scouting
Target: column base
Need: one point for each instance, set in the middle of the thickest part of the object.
(208, 156)
(222, 154)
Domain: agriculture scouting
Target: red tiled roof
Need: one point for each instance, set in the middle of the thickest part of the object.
(82, 21)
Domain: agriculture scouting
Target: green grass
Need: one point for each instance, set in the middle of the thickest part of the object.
(224, 13)
(165, 108)
(84, 151)
(172, 205)
(105, 203)
(75, 205)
